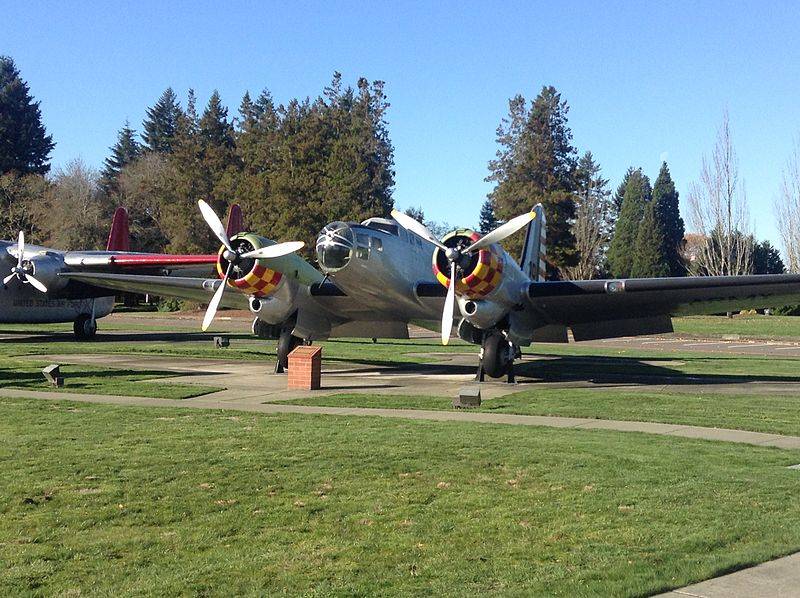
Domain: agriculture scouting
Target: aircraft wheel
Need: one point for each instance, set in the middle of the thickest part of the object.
(497, 355)
(84, 328)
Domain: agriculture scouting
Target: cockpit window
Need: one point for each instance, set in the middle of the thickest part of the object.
(384, 226)
(377, 244)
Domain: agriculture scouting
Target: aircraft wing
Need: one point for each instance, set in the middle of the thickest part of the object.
(607, 308)
(197, 289)
(103, 260)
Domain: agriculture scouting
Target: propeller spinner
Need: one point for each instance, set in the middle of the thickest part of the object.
(457, 256)
(233, 257)
(20, 271)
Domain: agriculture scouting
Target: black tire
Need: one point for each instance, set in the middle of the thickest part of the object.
(286, 344)
(84, 328)
(498, 354)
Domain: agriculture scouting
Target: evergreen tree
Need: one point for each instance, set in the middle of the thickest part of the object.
(123, 152)
(619, 194)
(536, 163)
(767, 259)
(415, 213)
(649, 260)
(161, 124)
(487, 221)
(623, 245)
(24, 145)
(670, 223)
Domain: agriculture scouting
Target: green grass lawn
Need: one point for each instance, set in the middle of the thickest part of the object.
(746, 326)
(109, 500)
(758, 413)
(27, 374)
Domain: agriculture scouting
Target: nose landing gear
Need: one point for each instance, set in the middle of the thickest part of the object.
(497, 358)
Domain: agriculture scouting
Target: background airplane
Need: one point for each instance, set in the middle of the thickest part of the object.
(382, 274)
(33, 292)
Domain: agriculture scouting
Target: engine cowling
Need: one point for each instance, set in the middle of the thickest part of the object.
(478, 274)
(46, 267)
(249, 276)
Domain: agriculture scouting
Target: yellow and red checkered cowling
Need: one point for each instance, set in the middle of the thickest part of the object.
(486, 275)
(259, 281)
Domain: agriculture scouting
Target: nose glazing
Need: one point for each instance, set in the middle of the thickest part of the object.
(335, 246)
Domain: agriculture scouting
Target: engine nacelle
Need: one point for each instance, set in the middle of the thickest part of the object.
(250, 276)
(482, 313)
(46, 267)
(479, 274)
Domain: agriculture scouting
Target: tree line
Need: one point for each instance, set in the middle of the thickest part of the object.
(292, 167)
(296, 166)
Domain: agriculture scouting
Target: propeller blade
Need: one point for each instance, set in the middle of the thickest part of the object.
(214, 303)
(20, 248)
(214, 223)
(276, 250)
(449, 304)
(419, 229)
(501, 232)
(35, 283)
(9, 278)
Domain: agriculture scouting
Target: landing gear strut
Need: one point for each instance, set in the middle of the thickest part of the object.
(286, 344)
(497, 358)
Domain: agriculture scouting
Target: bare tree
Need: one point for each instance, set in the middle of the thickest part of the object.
(718, 212)
(76, 210)
(592, 225)
(787, 210)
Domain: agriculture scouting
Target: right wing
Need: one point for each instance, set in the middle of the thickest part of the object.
(197, 289)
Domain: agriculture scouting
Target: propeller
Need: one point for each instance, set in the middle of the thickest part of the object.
(456, 256)
(233, 257)
(20, 272)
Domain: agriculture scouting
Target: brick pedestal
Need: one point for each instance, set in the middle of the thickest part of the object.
(305, 368)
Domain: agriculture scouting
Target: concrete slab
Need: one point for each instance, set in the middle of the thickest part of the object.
(776, 579)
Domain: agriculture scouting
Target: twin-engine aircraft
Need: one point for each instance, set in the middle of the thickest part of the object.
(33, 292)
(378, 276)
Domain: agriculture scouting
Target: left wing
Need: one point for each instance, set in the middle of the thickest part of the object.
(607, 308)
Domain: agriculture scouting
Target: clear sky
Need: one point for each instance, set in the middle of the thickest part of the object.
(645, 80)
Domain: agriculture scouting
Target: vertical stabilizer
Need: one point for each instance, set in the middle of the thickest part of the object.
(119, 238)
(534, 253)
(235, 222)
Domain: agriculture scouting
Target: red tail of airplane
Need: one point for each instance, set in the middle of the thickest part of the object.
(235, 223)
(119, 238)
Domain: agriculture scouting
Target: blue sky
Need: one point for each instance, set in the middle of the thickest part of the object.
(644, 80)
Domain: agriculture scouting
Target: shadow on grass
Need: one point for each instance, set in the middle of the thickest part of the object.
(633, 370)
(13, 376)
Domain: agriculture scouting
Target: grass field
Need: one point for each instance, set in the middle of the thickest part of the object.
(107, 500)
(27, 374)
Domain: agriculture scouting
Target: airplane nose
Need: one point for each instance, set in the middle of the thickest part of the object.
(335, 245)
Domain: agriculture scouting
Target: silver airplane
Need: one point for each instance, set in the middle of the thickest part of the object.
(377, 277)
(34, 292)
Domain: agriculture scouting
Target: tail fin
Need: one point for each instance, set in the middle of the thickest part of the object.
(119, 238)
(235, 223)
(534, 253)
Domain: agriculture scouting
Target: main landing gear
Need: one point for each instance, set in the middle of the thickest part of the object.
(287, 343)
(84, 327)
(497, 357)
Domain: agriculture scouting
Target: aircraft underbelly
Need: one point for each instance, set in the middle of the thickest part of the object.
(24, 308)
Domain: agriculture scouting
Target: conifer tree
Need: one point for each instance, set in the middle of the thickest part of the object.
(123, 152)
(161, 124)
(670, 223)
(649, 260)
(24, 144)
(623, 245)
(619, 194)
(486, 219)
(536, 163)
(767, 259)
